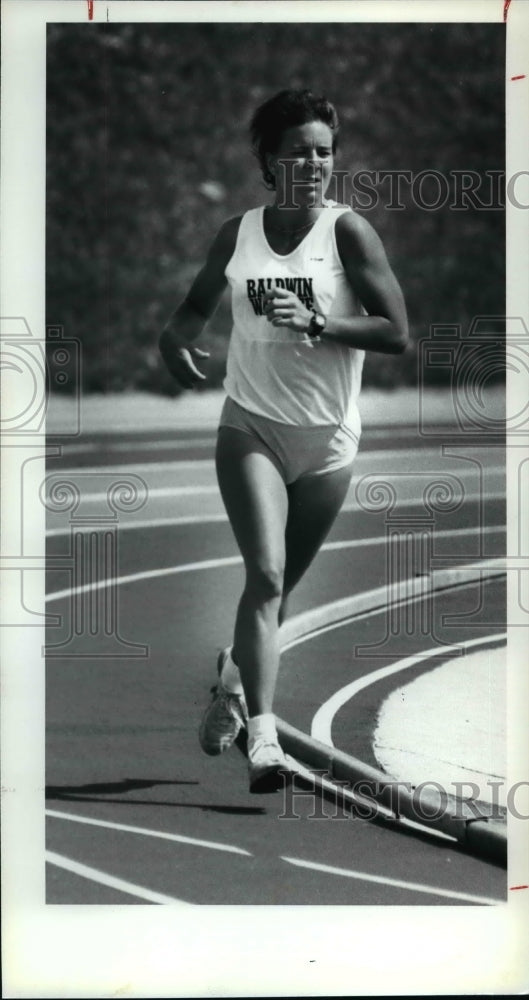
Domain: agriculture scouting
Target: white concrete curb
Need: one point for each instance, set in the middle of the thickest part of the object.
(481, 835)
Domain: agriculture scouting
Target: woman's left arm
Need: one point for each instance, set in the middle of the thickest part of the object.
(385, 328)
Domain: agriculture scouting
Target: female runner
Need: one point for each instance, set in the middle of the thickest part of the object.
(311, 291)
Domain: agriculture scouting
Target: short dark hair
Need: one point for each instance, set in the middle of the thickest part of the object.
(288, 108)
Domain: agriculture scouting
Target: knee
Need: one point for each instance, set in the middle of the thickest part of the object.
(265, 582)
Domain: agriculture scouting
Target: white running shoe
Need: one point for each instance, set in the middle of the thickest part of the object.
(224, 717)
(268, 768)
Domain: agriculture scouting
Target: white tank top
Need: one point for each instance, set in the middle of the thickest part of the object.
(276, 371)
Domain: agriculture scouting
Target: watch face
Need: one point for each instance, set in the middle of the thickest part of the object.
(317, 324)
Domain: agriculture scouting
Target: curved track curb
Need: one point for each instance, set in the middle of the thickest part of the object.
(481, 835)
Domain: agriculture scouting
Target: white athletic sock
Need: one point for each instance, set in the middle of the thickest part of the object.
(262, 727)
(230, 676)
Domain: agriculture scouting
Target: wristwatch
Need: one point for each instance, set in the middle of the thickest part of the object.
(316, 325)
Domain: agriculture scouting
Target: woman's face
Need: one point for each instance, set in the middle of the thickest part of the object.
(303, 164)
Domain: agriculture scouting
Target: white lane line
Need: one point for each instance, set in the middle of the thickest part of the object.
(322, 722)
(153, 522)
(159, 522)
(118, 581)
(429, 890)
(364, 458)
(94, 875)
(160, 491)
(144, 832)
(170, 491)
(154, 443)
(314, 633)
(356, 543)
(145, 444)
(211, 489)
(354, 798)
(141, 467)
(203, 442)
(206, 564)
(348, 508)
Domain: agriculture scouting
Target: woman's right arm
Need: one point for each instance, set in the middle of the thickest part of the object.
(188, 321)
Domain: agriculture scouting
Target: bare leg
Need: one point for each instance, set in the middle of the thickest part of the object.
(314, 503)
(256, 500)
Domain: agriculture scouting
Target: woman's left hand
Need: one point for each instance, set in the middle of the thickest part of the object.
(283, 308)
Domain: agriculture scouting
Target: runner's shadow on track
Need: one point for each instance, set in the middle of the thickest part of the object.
(100, 792)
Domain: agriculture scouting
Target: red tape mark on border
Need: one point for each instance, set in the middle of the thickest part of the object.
(521, 77)
(512, 887)
(506, 6)
(91, 9)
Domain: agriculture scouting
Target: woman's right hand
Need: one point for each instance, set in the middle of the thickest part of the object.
(181, 363)
(188, 321)
(188, 373)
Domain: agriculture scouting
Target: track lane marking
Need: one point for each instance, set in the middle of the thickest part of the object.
(356, 617)
(322, 722)
(155, 522)
(118, 581)
(161, 491)
(145, 444)
(354, 798)
(159, 522)
(184, 464)
(206, 564)
(211, 489)
(348, 508)
(95, 875)
(429, 890)
(145, 832)
(208, 439)
(382, 454)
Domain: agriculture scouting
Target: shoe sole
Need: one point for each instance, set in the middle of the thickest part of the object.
(272, 780)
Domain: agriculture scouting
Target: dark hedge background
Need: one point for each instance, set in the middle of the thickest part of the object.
(148, 153)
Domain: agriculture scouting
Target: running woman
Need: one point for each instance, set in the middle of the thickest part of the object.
(311, 290)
